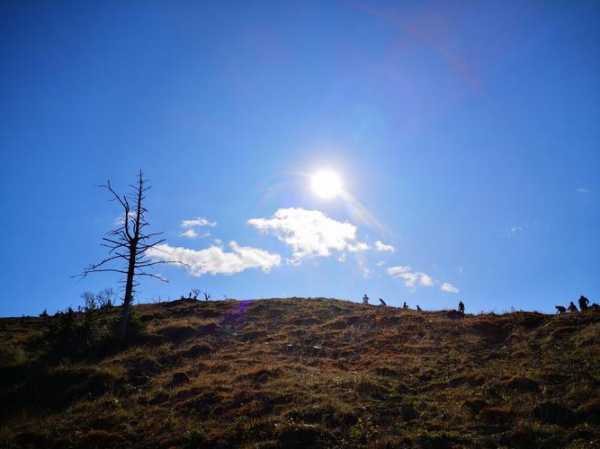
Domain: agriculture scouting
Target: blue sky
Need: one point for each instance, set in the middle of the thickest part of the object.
(466, 136)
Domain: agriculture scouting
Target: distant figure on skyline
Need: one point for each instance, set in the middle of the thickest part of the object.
(461, 307)
(572, 307)
(405, 306)
(583, 303)
(382, 302)
(560, 309)
(365, 299)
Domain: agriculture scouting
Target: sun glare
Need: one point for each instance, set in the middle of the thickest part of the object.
(326, 184)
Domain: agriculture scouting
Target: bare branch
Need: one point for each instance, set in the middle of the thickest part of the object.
(149, 264)
(101, 270)
(102, 262)
(152, 275)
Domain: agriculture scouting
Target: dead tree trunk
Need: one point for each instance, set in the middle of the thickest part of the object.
(129, 243)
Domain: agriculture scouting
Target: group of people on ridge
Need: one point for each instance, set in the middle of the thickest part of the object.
(365, 301)
(584, 304)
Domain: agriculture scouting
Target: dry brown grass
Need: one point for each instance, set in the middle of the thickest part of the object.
(310, 373)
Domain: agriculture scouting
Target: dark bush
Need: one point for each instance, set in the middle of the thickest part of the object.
(553, 413)
(90, 334)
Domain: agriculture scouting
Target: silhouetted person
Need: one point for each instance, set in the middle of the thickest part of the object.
(572, 307)
(418, 308)
(560, 309)
(382, 302)
(405, 306)
(583, 303)
(461, 307)
(365, 299)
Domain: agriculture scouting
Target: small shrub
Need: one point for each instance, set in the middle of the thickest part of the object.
(554, 413)
(101, 300)
(195, 439)
(363, 431)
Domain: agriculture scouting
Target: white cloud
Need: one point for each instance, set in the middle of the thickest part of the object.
(214, 260)
(195, 222)
(448, 288)
(425, 280)
(516, 229)
(358, 247)
(310, 232)
(411, 278)
(191, 233)
(583, 190)
(380, 246)
(381, 263)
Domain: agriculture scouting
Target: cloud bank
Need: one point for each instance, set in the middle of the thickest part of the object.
(310, 232)
(214, 260)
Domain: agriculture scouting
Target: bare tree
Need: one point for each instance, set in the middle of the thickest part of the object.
(128, 243)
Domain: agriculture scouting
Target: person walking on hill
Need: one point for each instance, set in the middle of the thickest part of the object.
(405, 306)
(461, 307)
(583, 303)
(365, 299)
(572, 307)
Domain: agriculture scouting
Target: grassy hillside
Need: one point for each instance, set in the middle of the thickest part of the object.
(300, 373)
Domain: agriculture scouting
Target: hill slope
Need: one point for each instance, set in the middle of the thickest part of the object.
(304, 373)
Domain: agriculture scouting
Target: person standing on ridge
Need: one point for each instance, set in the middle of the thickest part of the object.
(461, 307)
(572, 307)
(365, 299)
(583, 303)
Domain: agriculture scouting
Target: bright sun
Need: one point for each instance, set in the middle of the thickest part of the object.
(326, 184)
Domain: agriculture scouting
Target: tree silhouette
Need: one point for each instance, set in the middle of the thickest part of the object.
(128, 243)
